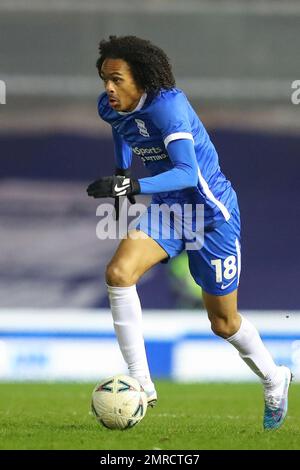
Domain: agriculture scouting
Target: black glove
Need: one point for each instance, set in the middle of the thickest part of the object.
(114, 186)
(123, 172)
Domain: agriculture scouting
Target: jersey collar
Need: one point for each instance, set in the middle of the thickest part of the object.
(137, 108)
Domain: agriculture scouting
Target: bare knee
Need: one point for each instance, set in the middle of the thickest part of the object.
(225, 326)
(222, 313)
(120, 275)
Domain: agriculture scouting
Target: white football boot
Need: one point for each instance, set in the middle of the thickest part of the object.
(276, 401)
(151, 398)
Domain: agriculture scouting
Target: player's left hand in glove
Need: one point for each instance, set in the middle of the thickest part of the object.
(122, 172)
(114, 186)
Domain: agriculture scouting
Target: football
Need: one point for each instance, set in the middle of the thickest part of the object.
(119, 402)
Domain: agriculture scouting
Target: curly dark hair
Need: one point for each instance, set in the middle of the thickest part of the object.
(149, 65)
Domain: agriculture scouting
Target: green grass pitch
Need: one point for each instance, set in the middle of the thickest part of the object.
(187, 416)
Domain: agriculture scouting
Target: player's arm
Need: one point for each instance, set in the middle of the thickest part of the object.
(183, 175)
(121, 184)
(171, 117)
(123, 153)
(123, 157)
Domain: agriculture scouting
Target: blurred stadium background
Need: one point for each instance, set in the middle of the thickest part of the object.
(236, 61)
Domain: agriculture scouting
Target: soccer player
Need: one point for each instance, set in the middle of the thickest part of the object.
(154, 120)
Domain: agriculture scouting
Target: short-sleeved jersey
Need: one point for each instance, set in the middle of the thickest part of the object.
(149, 129)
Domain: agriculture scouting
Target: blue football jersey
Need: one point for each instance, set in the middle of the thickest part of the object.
(167, 135)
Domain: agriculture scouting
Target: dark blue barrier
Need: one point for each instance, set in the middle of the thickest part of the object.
(264, 170)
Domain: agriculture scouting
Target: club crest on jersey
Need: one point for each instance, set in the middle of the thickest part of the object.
(142, 128)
